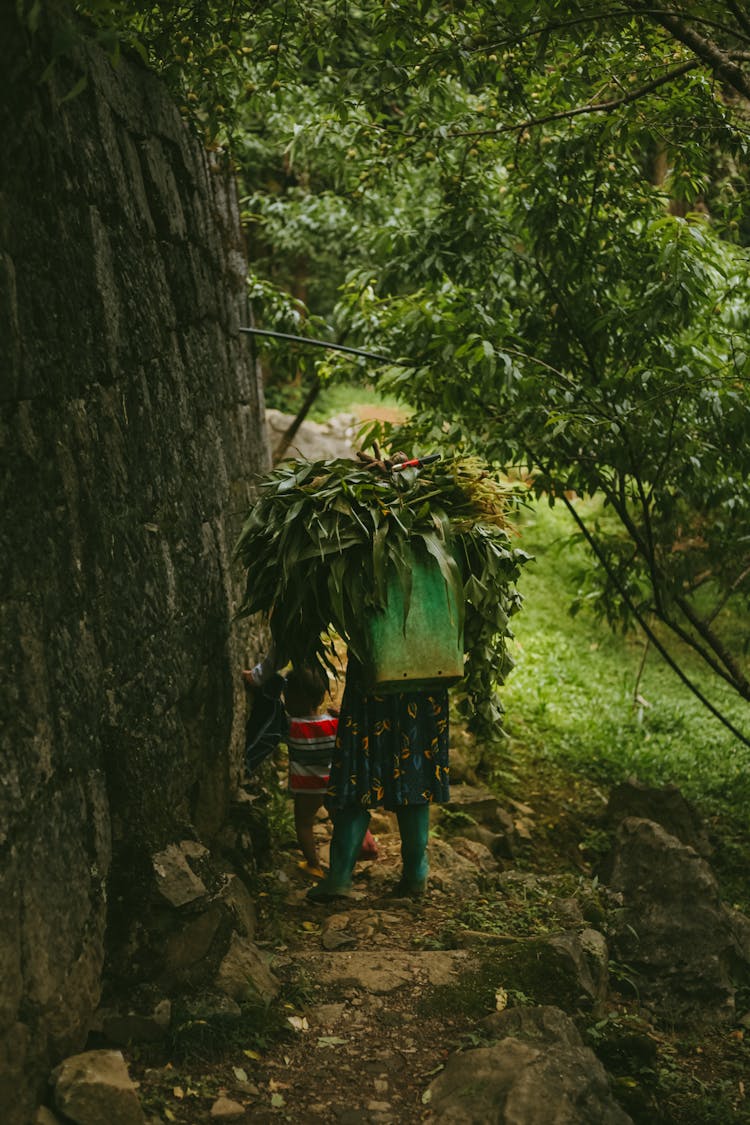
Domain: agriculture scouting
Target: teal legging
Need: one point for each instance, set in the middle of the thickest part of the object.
(414, 826)
(349, 828)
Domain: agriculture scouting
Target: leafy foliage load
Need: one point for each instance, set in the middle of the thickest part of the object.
(324, 539)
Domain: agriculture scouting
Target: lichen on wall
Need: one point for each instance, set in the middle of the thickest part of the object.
(130, 423)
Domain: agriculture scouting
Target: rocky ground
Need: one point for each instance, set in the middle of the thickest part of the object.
(510, 993)
(573, 961)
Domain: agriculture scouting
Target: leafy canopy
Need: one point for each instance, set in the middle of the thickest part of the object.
(542, 207)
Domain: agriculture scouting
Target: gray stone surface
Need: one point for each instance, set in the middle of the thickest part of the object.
(688, 949)
(537, 1073)
(94, 1088)
(130, 421)
(244, 973)
(380, 973)
(226, 1109)
(666, 806)
(176, 881)
(314, 441)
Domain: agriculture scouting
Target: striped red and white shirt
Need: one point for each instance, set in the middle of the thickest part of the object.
(311, 742)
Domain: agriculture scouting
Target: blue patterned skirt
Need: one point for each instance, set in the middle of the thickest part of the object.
(391, 750)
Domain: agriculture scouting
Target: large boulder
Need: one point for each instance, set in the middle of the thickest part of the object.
(94, 1088)
(538, 1072)
(665, 805)
(687, 949)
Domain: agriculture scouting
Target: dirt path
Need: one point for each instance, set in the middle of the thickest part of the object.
(369, 992)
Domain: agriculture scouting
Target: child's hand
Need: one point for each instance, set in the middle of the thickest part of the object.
(250, 679)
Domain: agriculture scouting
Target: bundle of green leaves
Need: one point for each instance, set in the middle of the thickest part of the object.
(324, 540)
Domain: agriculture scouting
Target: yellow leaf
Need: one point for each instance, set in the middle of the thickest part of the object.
(178, 1092)
(251, 1054)
(309, 926)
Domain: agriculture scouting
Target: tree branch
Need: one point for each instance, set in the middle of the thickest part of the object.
(727, 595)
(739, 681)
(593, 107)
(602, 17)
(649, 631)
(740, 14)
(704, 49)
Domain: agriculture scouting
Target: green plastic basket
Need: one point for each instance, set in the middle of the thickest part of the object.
(425, 651)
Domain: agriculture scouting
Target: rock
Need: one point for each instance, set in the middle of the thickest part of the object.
(385, 822)
(245, 837)
(45, 1116)
(588, 958)
(125, 475)
(382, 973)
(478, 853)
(337, 939)
(189, 944)
(121, 1028)
(666, 806)
(543, 1024)
(538, 1073)
(327, 1015)
(336, 922)
(449, 870)
(567, 911)
(176, 881)
(236, 896)
(480, 939)
(485, 809)
(244, 973)
(209, 1005)
(224, 1109)
(314, 441)
(672, 928)
(94, 1088)
(495, 842)
(567, 969)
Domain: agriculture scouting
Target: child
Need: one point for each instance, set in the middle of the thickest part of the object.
(310, 736)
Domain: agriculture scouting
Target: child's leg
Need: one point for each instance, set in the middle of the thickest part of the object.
(369, 849)
(306, 806)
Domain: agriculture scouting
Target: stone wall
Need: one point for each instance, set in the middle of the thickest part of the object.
(130, 428)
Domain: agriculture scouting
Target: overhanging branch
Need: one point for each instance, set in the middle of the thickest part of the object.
(648, 630)
(709, 52)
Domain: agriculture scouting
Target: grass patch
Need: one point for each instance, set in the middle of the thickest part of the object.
(570, 697)
(527, 971)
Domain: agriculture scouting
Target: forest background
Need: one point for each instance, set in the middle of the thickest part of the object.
(539, 211)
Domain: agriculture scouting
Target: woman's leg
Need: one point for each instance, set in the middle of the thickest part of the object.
(349, 827)
(306, 806)
(414, 826)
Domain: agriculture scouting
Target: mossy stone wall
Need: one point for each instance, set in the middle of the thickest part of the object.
(131, 428)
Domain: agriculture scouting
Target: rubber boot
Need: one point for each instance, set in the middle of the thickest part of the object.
(414, 826)
(369, 849)
(349, 828)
